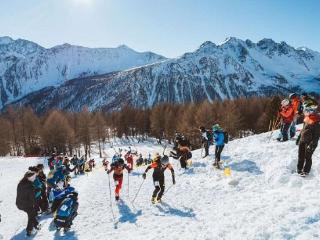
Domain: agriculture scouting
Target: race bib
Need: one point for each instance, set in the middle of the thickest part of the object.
(116, 182)
(64, 207)
(156, 183)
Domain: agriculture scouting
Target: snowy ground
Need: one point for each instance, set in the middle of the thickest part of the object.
(261, 200)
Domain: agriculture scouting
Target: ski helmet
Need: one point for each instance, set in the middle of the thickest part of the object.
(285, 102)
(165, 160)
(120, 161)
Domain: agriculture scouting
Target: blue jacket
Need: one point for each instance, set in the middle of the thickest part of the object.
(57, 176)
(37, 184)
(218, 138)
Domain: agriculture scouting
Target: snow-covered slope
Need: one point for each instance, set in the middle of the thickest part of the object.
(261, 200)
(26, 67)
(233, 69)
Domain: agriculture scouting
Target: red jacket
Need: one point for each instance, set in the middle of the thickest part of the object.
(287, 113)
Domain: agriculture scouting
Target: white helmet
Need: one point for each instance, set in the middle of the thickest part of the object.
(285, 102)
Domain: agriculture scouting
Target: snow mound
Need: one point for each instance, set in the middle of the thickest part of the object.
(262, 199)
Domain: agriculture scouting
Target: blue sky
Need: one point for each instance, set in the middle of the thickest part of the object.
(168, 27)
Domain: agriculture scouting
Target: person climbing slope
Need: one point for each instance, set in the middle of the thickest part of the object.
(117, 168)
(159, 166)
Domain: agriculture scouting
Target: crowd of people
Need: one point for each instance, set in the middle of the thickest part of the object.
(38, 194)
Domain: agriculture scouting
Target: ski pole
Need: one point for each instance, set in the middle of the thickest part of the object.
(168, 189)
(113, 217)
(128, 187)
(137, 191)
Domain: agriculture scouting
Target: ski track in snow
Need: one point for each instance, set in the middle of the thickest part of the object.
(261, 200)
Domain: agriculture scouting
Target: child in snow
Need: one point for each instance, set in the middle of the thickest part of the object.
(26, 201)
(218, 136)
(117, 167)
(159, 166)
(308, 142)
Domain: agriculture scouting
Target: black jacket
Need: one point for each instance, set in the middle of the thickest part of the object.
(310, 135)
(25, 195)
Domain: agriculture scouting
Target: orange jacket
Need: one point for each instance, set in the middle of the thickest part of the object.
(287, 113)
(295, 102)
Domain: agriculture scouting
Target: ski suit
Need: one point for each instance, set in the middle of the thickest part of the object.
(158, 177)
(118, 175)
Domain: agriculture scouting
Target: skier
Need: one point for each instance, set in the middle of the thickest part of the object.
(128, 157)
(117, 167)
(159, 166)
(205, 139)
(286, 114)
(26, 201)
(308, 142)
(183, 152)
(219, 140)
(74, 161)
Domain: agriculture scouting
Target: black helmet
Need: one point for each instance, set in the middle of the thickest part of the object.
(120, 161)
(165, 160)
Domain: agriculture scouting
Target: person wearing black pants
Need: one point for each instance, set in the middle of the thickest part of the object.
(308, 143)
(26, 200)
(205, 140)
(218, 152)
(159, 166)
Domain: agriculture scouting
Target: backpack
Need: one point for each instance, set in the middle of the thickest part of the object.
(225, 137)
(209, 135)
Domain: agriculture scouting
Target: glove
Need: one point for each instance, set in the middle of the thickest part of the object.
(144, 175)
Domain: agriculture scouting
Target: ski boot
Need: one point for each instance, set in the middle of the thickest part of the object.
(158, 200)
(154, 200)
(117, 198)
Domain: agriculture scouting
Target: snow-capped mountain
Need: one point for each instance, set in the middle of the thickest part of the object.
(26, 67)
(232, 69)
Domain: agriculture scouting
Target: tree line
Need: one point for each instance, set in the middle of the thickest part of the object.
(23, 132)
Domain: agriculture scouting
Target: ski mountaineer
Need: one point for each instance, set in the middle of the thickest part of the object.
(218, 136)
(117, 167)
(26, 201)
(159, 166)
(183, 152)
(308, 142)
(205, 139)
(286, 114)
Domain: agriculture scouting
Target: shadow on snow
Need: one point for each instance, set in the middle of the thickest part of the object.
(246, 166)
(126, 215)
(167, 209)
